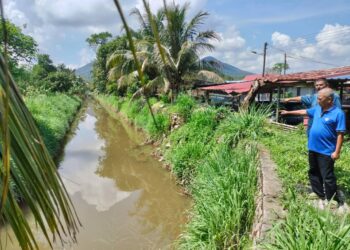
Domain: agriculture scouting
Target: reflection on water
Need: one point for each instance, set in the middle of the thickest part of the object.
(124, 199)
(78, 169)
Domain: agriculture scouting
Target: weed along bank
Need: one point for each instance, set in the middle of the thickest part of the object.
(214, 156)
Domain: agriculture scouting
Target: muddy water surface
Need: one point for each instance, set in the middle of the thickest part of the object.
(123, 197)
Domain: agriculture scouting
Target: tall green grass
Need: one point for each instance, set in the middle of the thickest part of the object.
(305, 227)
(53, 115)
(191, 142)
(223, 193)
(184, 106)
(308, 228)
(137, 112)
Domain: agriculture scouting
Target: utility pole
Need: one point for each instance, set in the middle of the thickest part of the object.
(265, 48)
(285, 64)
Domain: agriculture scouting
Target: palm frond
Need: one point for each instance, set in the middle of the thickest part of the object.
(114, 74)
(118, 57)
(204, 36)
(192, 27)
(136, 12)
(35, 175)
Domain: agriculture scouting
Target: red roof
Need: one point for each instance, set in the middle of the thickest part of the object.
(310, 75)
(239, 87)
(242, 86)
(245, 84)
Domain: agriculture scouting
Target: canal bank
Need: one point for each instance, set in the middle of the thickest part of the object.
(122, 196)
(213, 154)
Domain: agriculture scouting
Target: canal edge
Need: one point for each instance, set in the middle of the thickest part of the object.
(268, 206)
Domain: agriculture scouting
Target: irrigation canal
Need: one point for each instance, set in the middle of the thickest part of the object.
(124, 198)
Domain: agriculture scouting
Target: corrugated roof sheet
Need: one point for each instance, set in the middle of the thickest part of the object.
(242, 86)
(309, 75)
(245, 84)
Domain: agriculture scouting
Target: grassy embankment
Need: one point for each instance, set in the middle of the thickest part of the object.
(213, 155)
(305, 227)
(53, 114)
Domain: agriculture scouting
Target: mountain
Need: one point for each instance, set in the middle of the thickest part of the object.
(226, 70)
(85, 72)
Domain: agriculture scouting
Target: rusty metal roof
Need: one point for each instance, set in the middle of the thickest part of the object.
(241, 86)
(309, 75)
(245, 84)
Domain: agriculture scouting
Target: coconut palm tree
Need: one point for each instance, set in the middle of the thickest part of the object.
(182, 44)
(168, 43)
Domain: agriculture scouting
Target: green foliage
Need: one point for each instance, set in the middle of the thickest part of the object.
(245, 123)
(305, 227)
(46, 79)
(43, 67)
(221, 178)
(279, 67)
(191, 142)
(99, 70)
(98, 39)
(184, 105)
(139, 114)
(21, 47)
(289, 151)
(35, 175)
(224, 199)
(342, 168)
(308, 228)
(53, 115)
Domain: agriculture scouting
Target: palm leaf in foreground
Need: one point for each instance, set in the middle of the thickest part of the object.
(136, 61)
(34, 174)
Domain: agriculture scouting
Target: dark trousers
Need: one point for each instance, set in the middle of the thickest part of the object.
(321, 175)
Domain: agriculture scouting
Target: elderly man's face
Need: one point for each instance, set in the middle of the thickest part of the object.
(320, 85)
(323, 100)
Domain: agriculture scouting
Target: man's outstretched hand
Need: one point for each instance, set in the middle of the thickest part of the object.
(283, 112)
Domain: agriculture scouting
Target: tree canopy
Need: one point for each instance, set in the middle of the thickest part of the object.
(167, 44)
(98, 39)
(21, 47)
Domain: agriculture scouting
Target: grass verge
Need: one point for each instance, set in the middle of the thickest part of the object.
(305, 227)
(53, 114)
(208, 156)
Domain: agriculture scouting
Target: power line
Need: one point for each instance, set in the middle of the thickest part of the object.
(298, 57)
(312, 60)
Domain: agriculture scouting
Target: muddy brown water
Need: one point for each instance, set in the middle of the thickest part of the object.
(124, 198)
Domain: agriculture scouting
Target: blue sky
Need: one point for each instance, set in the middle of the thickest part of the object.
(314, 34)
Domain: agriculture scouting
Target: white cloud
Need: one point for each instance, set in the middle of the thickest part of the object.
(13, 13)
(76, 13)
(329, 48)
(195, 5)
(280, 39)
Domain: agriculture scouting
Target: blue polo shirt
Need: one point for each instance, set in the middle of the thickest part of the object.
(311, 101)
(325, 125)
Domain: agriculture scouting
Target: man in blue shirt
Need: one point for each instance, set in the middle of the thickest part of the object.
(324, 143)
(310, 101)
